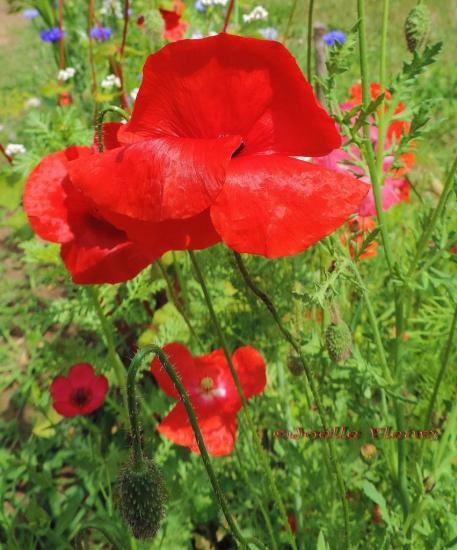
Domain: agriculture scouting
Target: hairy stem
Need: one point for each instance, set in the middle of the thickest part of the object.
(314, 390)
(259, 449)
(309, 47)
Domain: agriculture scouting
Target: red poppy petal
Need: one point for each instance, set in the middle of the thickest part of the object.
(103, 254)
(278, 206)
(192, 233)
(46, 195)
(61, 389)
(65, 408)
(99, 389)
(159, 179)
(231, 85)
(183, 362)
(81, 375)
(218, 432)
(110, 140)
(251, 370)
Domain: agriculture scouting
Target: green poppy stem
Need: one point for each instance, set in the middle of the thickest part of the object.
(99, 122)
(314, 390)
(255, 436)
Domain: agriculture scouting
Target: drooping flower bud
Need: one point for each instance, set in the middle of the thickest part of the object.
(142, 498)
(417, 26)
(294, 365)
(338, 341)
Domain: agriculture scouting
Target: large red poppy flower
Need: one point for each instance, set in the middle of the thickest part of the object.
(82, 392)
(95, 247)
(212, 392)
(214, 127)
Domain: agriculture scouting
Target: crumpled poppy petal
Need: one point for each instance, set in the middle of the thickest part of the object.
(231, 85)
(251, 369)
(193, 233)
(110, 140)
(218, 432)
(81, 375)
(158, 179)
(278, 206)
(102, 254)
(47, 195)
(181, 359)
(61, 389)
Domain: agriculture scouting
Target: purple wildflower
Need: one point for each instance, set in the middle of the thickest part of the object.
(332, 37)
(51, 35)
(30, 13)
(101, 33)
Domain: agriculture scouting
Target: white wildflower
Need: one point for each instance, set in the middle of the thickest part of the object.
(259, 13)
(269, 33)
(134, 93)
(112, 7)
(15, 149)
(208, 3)
(32, 102)
(110, 81)
(66, 74)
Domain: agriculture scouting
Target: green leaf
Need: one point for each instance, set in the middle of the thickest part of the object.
(373, 494)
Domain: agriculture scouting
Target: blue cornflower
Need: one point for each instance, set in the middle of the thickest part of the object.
(51, 35)
(101, 33)
(30, 13)
(199, 6)
(269, 33)
(332, 37)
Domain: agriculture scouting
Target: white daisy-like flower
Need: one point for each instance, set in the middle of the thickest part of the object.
(110, 81)
(13, 149)
(259, 13)
(111, 7)
(208, 3)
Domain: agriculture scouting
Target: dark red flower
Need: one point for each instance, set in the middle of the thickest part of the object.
(212, 392)
(174, 27)
(65, 99)
(213, 130)
(377, 516)
(80, 393)
(95, 246)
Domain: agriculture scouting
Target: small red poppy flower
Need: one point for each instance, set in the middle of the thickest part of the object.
(358, 229)
(218, 138)
(82, 392)
(174, 27)
(292, 522)
(377, 516)
(65, 99)
(212, 392)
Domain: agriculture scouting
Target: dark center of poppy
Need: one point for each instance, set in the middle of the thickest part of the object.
(238, 151)
(207, 384)
(81, 397)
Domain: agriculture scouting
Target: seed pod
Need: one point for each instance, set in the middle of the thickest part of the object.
(142, 498)
(338, 341)
(294, 365)
(417, 26)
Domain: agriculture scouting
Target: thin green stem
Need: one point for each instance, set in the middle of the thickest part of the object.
(444, 364)
(399, 321)
(314, 390)
(309, 48)
(133, 409)
(99, 122)
(382, 126)
(177, 304)
(259, 449)
(139, 357)
(108, 334)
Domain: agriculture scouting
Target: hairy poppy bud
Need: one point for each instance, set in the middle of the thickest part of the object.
(294, 365)
(429, 484)
(417, 25)
(142, 497)
(338, 341)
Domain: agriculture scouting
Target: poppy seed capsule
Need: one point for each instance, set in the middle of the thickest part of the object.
(142, 498)
(338, 341)
(294, 365)
(417, 25)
